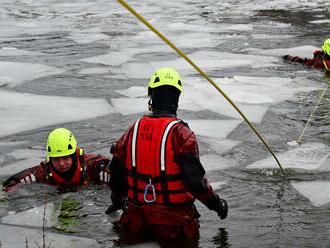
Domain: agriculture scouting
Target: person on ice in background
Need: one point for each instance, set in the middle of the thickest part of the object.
(321, 59)
(66, 165)
(156, 168)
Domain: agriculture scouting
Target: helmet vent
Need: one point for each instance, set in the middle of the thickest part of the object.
(69, 147)
(179, 83)
(49, 150)
(156, 80)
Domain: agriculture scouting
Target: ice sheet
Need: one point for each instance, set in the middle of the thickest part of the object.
(211, 60)
(13, 51)
(219, 145)
(134, 91)
(213, 128)
(139, 70)
(253, 95)
(218, 185)
(112, 59)
(317, 192)
(27, 153)
(32, 217)
(253, 113)
(14, 73)
(241, 27)
(267, 89)
(127, 106)
(88, 36)
(201, 97)
(15, 237)
(11, 143)
(321, 21)
(215, 162)
(21, 112)
(196, 40)
(96, 70)
(136, 48)
(16, 167)
(269, 37)
(202, 28)
(309, 156)
(302, 51)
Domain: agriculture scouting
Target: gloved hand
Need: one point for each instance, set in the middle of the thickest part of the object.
(318, 54)
(222, 209)
(102, 165)
(112, 208)
(116, 205)
(10, 184)
(10, 180)
(218, 205)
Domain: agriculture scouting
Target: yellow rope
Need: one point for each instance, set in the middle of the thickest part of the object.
(310, 117)
(130, 9)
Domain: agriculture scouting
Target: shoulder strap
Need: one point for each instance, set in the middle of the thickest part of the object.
(83, 167)
(133, 158)
(162, 160)
(325, 65)
(48, 172)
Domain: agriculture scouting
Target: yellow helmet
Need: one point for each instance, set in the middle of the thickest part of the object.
(165, 76)
(326, 46)
(61, 142)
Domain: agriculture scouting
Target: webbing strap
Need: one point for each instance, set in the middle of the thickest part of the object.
(325, 65)
(145, 178)
(163, 144)
(133, 158)
(134, 140)
(162, 161)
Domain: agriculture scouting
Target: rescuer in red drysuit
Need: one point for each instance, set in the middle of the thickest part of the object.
(156, 174)
(66, 165)
(320, 60)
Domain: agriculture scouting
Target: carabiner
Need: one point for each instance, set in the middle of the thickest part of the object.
(146, 192)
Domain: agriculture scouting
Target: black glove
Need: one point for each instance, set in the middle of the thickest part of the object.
(112, 148)
(116, 205)
(102, 165)
(218, 205)
(223, 209)
(112, 208)
(10, 180)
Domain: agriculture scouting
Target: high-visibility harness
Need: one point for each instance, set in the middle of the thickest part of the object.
(155, 179)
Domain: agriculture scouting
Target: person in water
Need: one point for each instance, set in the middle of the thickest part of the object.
(320, 60)
(156, 173)
(66, 165)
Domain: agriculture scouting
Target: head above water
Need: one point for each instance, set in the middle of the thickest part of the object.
(61, 143)
(164, 88)
(326, 46)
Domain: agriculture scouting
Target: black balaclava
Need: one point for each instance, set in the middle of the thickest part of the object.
(165, 99)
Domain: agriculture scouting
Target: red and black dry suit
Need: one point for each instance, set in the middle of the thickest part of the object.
(85, 168)
(320, 60)
(162, 152)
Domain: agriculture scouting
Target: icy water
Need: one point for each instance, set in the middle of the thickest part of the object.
(84, 65)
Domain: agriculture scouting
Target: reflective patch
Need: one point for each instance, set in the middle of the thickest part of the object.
(33, 178)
